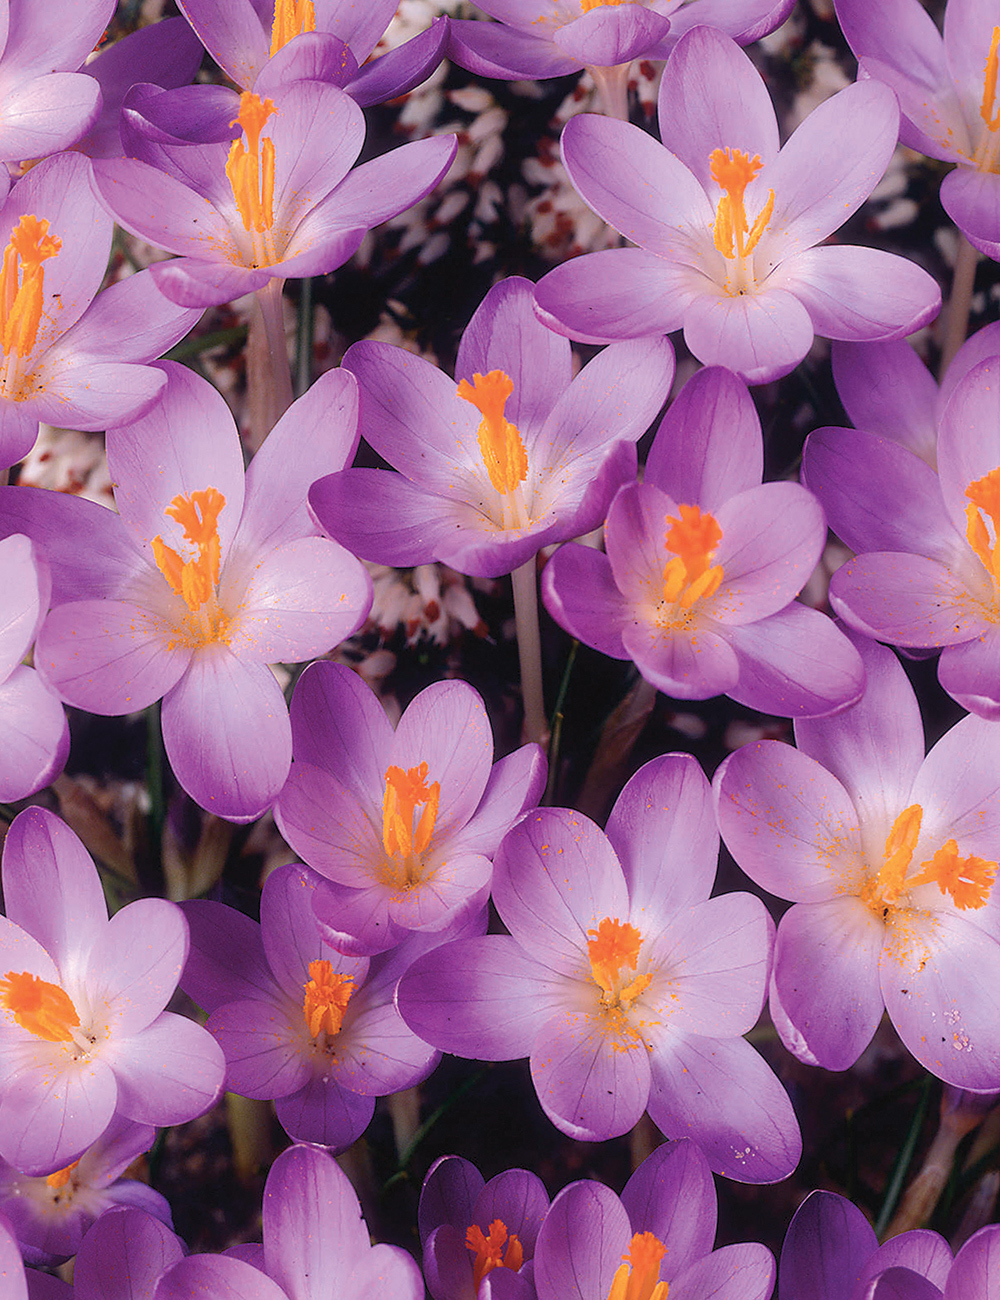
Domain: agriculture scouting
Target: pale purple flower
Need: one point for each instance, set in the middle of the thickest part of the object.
(702, 566)
(626, 985)
(517, 455)
(123, 1256)
(200, 582)
(83, 1033)
(975, 1274)
(403, 824)
(890, 859)
(20, 1283)
(727, 223)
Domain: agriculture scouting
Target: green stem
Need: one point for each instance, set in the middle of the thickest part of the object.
(903, 1160)
(529, 650)
(557, 724)
(956, 319)
(273, 381)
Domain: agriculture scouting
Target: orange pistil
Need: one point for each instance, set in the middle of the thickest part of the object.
(291, 19)
(691, 576)
(734, 237)
(968, 880)
(613, 949)
(250, 170)
(196, 580)
(44, 1009)
(500, 441)
(22, 279)
(489, 1251)
(61, 1177)
(637, 1278)
(984, 494)
(587, 5)
(986, 112)
(326, 997)
(404, 793)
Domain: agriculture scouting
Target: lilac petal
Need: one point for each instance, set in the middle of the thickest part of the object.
(51, 1112)
(232, 33)
(860, 294)
(580, 1245)
(672, 1195)
(712, 97)
(18, 431)
(23, 608)
(722, 1094)
(635, 543)
(901, 1284)
(11, 1264)
(619, 293)
(825, 994)
(797, 663)
(579, 591)
(191, 283)
(134, 966)
(42, 1286)
(664, 816)
(318, 56)
(686, 663)
(708, 447)
(381, 1055)
(339, 724)
(515, 785)
(888, 391)
(47, 113)
(604, 37)
(972, 199)
(968, 673)
(130, 320)
(457, 886)
(162, 209)
(520, 1200)
(324, 1113)
(168, 1073)
(447, 1262)
(740, 1272)
(925, 1253)
(220, 1277)
(982, 345)
(973, 1274)
(397, 71)
(492, 50)
(92, 395)
(969, 445)
(334, 831)
(264, 1057)
(64, 35)
(789, 824)
(825, 1249)
(289, 932)
(906, 600)
(123, 1255)
(760, 336)
(51, 889)
(34, 735)
(226, 961)
(591, 1082)
(227, 735)
(448, 1195)
(957, 785)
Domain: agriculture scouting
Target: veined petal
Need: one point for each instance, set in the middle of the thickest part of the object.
(133, 968)
(968, 672)
(906, 600)
(969, 441)
(620, 293)
(47, 113)
(232, 33)
(672, 1195)
(169, 1072)
(828, 1240)
(339, 724)
(127, 1249)
(607, 36)
(580, 1244)
(492, 50)
(688, 664)
(34, 735)
(67, 390)
(888, 391)
(580, 593)
(226, 961)
(324, 1113)
(760, 336)
(744, 1271)
(52, 1110)
(265, 1056)
(217, 1275)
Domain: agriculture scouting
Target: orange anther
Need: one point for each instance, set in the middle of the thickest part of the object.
(195, 579)
(250, 167)
(404, 793)
(733, 170)
(637, 1278)
(498, 1250)
(22, 282)
(326, 997)
(991, 119)
(62, 1176)
(500, 441)
(291, 19)
(968, 880)
(613, 948)
(691, 576)
(44, 1009)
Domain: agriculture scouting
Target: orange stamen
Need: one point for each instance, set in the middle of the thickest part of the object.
(44, 1009)
(990, 84)
(500, 441)
(62, 1176)
(326, 997)
(291, 19)
(612, 949)
(984, 494)
(404, 792)
(691, 576)
(22, 279)
(489, 1251)
(587, 5)
(250, 167)
(968, 880)
(194, 580)
(637, 1278)
(733, 170)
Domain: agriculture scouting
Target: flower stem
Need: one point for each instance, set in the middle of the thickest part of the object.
(956, 318)
(304, 338)
(529, 650)
(269, 375)
(612, 86)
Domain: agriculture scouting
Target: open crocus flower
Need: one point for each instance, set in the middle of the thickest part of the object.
(628, 987)
(726, 222)
(518, 455)
(205, 577)
(83, 1033)
(403, 823)
(703, 563)
(890, 859)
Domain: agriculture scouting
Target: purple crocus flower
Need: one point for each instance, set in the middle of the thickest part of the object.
(83, 1033)
(831, 1250)
(68, 357)
(50, 1215)
(470, 1229)
(279, 201)
(890, 859)
(521, 454)
(975, 1274)
(657, 1238)
(926, 573)
(123, 1256)
(628, 987)
(20, 1283)
(727, 223)
(703, 563)
(200, 582)
(298, 1021)
(316, 1245)
(403, 823)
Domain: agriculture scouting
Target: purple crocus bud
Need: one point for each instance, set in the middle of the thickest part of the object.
(206, 576)
(50, 1215)
(403, 823)
(123, 1256)
(470, 1228)
(975, 1274)
(20, 1283)
(890, 860)
(727, 223)
(83, 1033)
(299, 1021)
(519, 455)
(702, 566)
(657, 1239)
(831, 1250)
(626, 985)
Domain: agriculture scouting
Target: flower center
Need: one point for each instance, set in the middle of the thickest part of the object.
(404, 834)
(637, 1277)
(613, 949)
(250, 169)
(22, 280)
(291, 19)
(489, 1251)
(984, 494)
(587, 5)
(690, 576)
(196, 579)
(734, 237)
(44, 1009)
(985, 157)
(326, 997)
(61, 1177)
(967, 880)
(500, 442)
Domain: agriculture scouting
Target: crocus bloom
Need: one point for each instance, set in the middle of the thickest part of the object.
(298, 1021)
(316, 1245)
(50, 1215)
(927, 572)
(83, 1033)
(123, 1256)
(68, 357)
(470, 1228)
(831, 1250)
(702, 567)
(279, 201)
(948, 96)
(654, 1241)
(518, 455)
(726, 222)
(200, 582)
(890, 859)
(403, 823)
(626, 985)
(20, 1283)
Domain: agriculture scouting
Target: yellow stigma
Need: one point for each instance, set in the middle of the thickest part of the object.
(22, 280)
(690, 576)
(587, 5)
(500, 441)
(61, 1177)
(44, 1009)
(250, 170)
(613, 949)
(291, 19)
(405, 792)
(490, 1252)
(967, 880)
(984, 494)
(637, 1278)
(326, 997)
